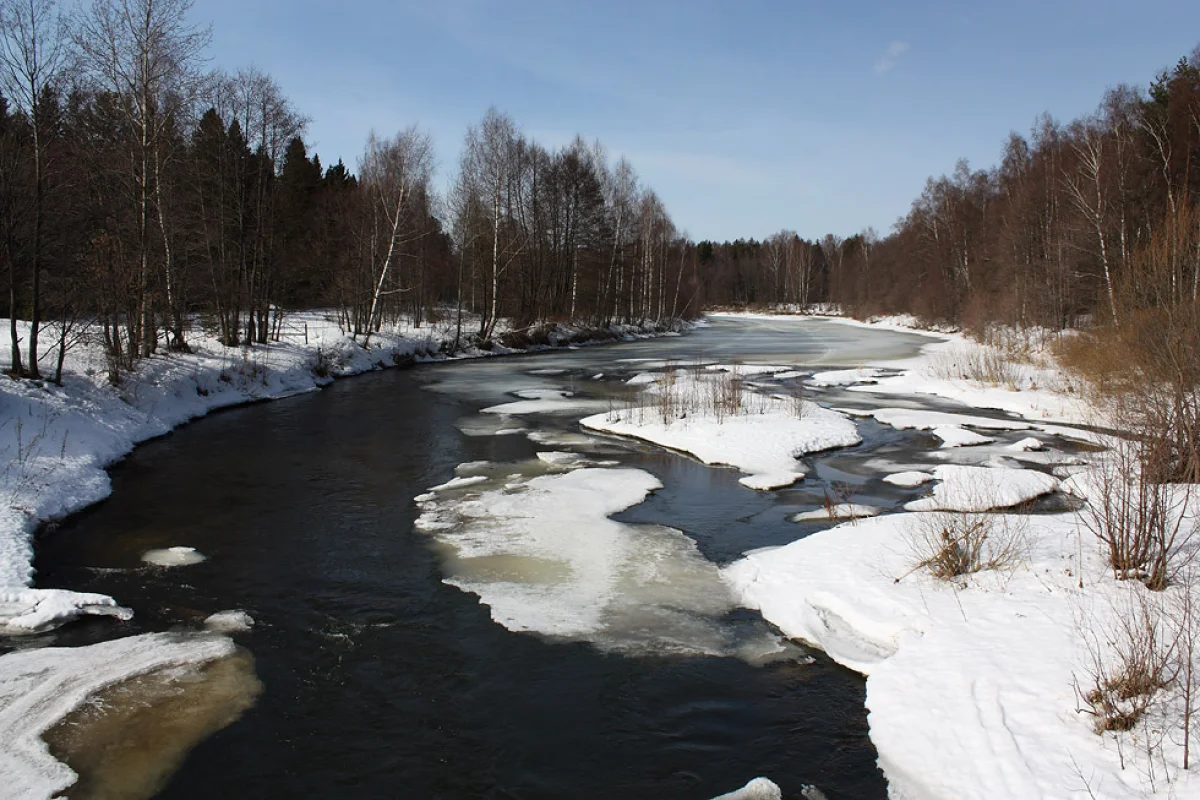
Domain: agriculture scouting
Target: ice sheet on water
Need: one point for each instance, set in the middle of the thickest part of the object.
(39, 687)
(964, 488)
(957, 436)
(178, 556)
(757, 789)
(909, 478)
(548, 559)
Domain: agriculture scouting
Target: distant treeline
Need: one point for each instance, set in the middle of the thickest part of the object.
(139, 190)
(1098, 219)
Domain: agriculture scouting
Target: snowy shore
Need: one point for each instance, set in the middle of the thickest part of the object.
(974, 685)
(57, 441)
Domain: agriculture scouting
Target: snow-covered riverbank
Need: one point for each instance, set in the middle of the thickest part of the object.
(975, 685)
(57, 441)
(55, 445)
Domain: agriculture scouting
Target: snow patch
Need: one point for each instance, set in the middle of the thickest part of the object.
(964, 488)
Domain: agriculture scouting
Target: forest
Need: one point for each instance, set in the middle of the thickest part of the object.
(143, 194)
(1092, 221)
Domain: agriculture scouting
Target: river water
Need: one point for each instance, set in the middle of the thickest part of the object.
(380, 679)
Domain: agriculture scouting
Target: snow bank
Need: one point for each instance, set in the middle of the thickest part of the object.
(35, 610)
(39, 687)
(56, 441)
(964, 488)
(763, 437)
(1032, 386)
(970, 685)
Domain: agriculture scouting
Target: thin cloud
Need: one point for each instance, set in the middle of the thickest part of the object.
(890, 57)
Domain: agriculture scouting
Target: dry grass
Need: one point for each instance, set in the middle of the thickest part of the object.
(951, 544)
(684, 393)
(1130, 662)
(987, 366)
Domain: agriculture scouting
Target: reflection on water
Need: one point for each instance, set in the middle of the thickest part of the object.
(127, 741)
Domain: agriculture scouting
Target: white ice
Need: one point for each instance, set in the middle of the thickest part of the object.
(846, 377)
(837, 512)
(764, 440)
(173, 556)
(955, 436)
(548, 559)
(908, 479)
(39, 687)
(757, 789)
(231, 621)
(967, 488)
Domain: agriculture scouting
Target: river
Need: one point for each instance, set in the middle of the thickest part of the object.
(382, 680)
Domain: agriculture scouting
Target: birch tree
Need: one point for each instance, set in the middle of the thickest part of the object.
(147, 55)
(33, 59)
(393, 173)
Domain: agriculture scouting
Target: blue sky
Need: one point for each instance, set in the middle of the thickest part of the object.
(746, 117)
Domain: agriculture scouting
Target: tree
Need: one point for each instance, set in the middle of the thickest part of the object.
(33, 58)
(395, 175)
(145, 54)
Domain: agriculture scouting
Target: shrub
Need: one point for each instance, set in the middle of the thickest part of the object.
(1131, 659)
(1140, 521)
(951, 544)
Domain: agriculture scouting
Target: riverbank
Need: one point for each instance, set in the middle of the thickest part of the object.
(977, 685)
(56, 442)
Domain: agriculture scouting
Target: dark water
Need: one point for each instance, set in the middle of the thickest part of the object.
(380, 680)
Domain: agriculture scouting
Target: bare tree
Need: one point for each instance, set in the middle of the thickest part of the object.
(146, 54)
(393, 173)
(33, 59)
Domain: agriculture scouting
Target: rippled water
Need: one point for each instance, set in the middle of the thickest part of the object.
(381, 680)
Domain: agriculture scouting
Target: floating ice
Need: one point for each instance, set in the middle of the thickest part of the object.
(173, 557)
(908, 479)
(963, 488)
(846, 377)
(922, 420)
(549, 560)
(837, 512)
(232, 621)
(757, 789)
(955, 436)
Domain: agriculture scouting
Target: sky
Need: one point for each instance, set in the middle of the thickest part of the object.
(745, 116)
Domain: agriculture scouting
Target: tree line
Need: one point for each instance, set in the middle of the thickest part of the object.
(1091, 221)
(142, 194)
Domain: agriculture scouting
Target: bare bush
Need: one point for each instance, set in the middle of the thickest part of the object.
(1132, 658)
(1140, 521)
(950, 544)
